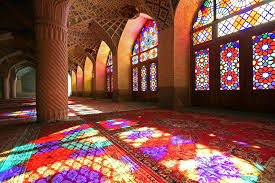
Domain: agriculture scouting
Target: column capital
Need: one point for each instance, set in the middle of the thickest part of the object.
(51, 19)
(5, 73)
(12, 75)
(52, 11)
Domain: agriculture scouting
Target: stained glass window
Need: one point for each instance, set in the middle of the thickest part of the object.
(149, 36)
(144, 59)
(153, 53)
(108, 84)
(229, 66)
(135, 59)
(153, 77)
(257, 16)
(112, 83)
(143, 78)
(109, 73)
(202, 70)
(110, 59)
(227, 7)
(135, 79)
(264, 61)
(136, 46)
(218, 18)
(205, 14)
(202, 36)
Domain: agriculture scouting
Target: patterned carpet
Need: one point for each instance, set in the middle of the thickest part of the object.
(139, 145)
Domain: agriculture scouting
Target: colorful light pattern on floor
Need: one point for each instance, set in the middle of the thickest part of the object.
(28, 113)
(29, 103)
(197, 162)
(117, 124)
(76, 154)
(83, 110)
(71, 102)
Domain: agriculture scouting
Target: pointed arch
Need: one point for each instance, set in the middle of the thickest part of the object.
(88, 76)
(144, 61)
(80, 81)
(125, 48)
(69, 84)
(101, 61)
(73, 83)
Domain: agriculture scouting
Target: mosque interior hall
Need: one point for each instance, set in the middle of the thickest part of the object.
(144, 91)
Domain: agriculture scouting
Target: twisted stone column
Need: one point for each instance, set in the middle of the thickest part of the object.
(52, 69)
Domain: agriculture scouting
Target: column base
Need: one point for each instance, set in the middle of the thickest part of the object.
(121, 96)
(174, 97)
(47, 116)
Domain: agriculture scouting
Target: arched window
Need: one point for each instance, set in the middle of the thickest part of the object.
(109, 75)
(145, 62)
(233, 47)
(69, 85)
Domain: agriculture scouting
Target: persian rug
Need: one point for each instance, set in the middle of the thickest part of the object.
(69, 152)
(194, 147)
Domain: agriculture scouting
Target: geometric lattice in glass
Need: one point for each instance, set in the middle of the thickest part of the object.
(264, 61)
(202, 69)
(229, 66)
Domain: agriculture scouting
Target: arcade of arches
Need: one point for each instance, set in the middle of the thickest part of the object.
(137, 91)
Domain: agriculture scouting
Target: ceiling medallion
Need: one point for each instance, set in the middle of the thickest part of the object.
(129, 11)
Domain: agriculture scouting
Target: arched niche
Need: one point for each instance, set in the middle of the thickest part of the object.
(80, 81)
(125, 47)
(88, 77)
(69, 84)
(73, 83)
(26, 82)
(101, 61)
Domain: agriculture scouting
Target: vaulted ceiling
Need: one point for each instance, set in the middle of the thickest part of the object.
(89, 23)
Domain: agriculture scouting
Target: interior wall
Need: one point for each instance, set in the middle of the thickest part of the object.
(18, 86)
(28, 82)
(80, 82)
(26, 85)
(101, 61)
(1, 87)
(88, 76)
(73, 83)
(183, 20)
